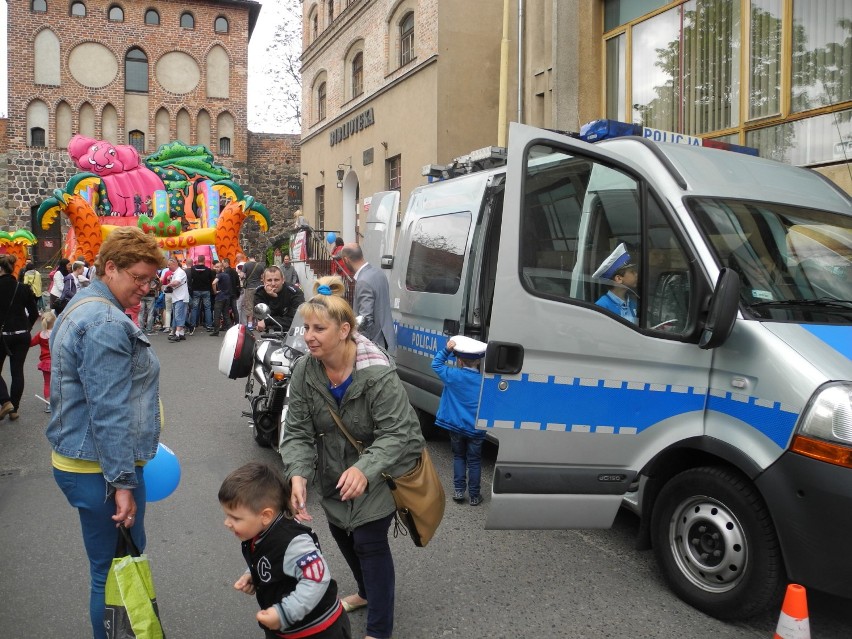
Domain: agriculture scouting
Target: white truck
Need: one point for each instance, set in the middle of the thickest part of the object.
(722, 416)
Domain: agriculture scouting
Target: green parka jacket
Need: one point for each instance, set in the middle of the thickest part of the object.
(375, 410)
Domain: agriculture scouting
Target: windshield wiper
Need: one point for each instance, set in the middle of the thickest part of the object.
(820, 301)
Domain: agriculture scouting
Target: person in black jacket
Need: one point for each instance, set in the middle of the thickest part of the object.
(18, 314)
(283, 300)
(201, 284)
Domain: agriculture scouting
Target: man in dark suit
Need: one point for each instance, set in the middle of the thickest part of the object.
(372, 299)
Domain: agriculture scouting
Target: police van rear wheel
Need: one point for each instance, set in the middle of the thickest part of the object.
(716, 544)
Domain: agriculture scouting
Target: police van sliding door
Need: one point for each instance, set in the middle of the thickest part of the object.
(579, 396)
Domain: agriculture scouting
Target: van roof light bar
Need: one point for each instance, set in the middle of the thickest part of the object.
(608, 129)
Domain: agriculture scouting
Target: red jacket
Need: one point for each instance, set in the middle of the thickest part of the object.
(40, 339)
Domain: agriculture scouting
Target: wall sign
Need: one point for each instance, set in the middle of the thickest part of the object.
(352, 126)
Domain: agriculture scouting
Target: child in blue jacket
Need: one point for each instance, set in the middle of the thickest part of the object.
(457, 412)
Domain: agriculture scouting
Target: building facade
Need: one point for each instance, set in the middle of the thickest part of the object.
(392, 85)
(389, 86)
(132, 72)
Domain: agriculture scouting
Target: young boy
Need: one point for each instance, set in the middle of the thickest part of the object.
(619, 269)
(457, 413)
(287, 572)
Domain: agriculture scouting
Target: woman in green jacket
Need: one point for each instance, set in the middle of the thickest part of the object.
(348, 374)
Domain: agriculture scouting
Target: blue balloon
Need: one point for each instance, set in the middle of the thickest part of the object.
(330, 237)
(162, 474)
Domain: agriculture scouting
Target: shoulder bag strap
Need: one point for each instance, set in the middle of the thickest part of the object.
(355, 443)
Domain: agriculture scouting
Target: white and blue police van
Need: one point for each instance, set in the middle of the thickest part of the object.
(720, 411)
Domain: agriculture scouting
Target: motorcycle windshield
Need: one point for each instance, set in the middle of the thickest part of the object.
(296, 334)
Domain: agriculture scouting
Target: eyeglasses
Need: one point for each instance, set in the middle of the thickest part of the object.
(139, 280)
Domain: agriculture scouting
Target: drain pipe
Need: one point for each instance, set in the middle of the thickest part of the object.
(504, 78)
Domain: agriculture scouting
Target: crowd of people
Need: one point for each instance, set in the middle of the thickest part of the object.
(103, 428)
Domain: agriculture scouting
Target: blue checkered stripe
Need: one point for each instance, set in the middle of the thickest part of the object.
(618, 407)
(419, 340)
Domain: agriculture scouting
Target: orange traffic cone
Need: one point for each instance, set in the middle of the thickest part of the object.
(793, 622)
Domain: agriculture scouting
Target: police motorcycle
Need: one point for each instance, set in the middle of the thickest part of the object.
(265, 361)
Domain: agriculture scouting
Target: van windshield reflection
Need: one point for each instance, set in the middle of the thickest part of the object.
(795, 264)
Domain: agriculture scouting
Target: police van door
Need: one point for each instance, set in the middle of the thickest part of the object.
(592, 364)
(380, 234)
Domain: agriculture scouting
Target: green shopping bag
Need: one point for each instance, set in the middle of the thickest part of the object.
(131, 604)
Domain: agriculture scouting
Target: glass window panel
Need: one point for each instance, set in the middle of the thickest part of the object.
(824, 138)
(187, 21)
(221, 25)
(116, 14)
(78, 9)
(39, 5)
(152, 17)
(406, 40)
(656, 85)
(765, 59)
(618, 12)
(137, 141)
(136, 71)
(686, 68)
(436, 257)
(822, 54)
(358, 75)
(616, 82)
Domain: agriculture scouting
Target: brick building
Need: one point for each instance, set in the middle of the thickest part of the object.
(139, 73)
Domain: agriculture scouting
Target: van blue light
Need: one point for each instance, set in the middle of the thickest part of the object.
(608, 129)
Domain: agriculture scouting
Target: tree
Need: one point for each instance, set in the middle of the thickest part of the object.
(278, 101)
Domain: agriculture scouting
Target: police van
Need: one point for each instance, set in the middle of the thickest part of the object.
(720, 410)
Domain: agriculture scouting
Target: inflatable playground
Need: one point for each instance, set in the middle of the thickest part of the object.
(178, 194)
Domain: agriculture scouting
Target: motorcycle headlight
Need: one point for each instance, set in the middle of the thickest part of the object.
(825, 430)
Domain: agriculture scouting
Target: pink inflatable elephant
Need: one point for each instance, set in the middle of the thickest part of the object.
(129, 183)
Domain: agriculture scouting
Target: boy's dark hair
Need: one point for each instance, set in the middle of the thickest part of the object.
(469, 363)
(256, 486)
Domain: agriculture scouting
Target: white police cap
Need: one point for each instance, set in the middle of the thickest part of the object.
(468, 348)
(618, 259)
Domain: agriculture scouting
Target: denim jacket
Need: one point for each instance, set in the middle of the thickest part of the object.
(104, 387)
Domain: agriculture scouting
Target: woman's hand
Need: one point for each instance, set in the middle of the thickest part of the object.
(125, 508)
(352, 483)
(299, 497)
(269, 618)
(244, 584)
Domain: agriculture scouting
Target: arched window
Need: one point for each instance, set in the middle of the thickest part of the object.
(152, 17)
(358, 74)
(221, 25)
(136, 139)
(330, 12)
(78, 9)
(187, 20)
(116, 14)
(39, 6)
(314, 26)
(406, 39)
(37, 136)
(321, 102)
(224, 146)
(136, 71)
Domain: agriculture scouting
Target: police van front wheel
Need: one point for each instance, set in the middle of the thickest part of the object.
(716, 544)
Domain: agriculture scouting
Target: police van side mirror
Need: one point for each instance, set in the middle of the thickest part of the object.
(724, 305)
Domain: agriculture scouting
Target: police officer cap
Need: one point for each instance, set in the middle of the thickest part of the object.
(617, 260)
(468, 348)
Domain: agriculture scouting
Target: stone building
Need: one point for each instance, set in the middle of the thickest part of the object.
(391, 85)
(139, 73)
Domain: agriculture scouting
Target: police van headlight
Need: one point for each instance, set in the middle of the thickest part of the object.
(825, 431)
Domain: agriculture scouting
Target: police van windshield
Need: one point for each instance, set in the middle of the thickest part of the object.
(795, 264)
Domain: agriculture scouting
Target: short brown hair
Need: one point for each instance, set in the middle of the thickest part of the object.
(256, 486)
(126, 246)
(7, 262)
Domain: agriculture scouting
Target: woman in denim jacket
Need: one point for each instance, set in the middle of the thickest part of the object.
(104, 396)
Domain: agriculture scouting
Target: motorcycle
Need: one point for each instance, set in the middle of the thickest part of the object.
(265, 361)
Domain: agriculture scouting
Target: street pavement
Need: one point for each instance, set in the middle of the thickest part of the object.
(467, 583)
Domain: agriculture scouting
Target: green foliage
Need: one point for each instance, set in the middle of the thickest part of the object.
(192, 161)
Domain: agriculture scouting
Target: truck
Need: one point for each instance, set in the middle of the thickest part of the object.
(721, 414)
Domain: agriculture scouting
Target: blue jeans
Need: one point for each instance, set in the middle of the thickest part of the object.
(368, 554)
(146, 314)
(199, 297)
(467, 455)
(87, 493)
(179, 313)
